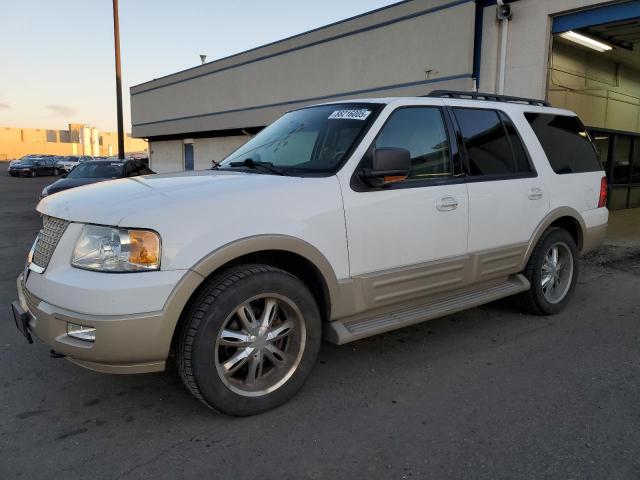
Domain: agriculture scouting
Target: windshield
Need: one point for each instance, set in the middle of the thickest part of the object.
(28, 161)
(313, 139)
(97, 170)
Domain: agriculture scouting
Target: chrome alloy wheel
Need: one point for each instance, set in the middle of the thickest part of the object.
(260, 345)
(557, 272)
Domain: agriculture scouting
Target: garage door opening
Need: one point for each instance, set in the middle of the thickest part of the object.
(594, 70)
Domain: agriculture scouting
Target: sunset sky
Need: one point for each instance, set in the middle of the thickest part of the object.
(57, 64)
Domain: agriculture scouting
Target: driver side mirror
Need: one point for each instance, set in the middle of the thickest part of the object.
(389, 165)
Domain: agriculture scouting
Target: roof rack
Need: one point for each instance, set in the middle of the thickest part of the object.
(486, 96)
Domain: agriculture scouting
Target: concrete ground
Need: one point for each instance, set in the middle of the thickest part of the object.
(489, 393)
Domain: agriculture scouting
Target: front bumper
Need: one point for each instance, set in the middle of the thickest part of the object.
(26, 173)
(123, 343)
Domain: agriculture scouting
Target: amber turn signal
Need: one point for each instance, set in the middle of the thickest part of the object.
(145, 247)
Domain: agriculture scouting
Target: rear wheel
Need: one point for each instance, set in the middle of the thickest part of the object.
(34, 173)
(56, 172)
(552, 271)
(249, 340)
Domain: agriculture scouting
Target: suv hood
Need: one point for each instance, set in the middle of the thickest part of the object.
(145, 199)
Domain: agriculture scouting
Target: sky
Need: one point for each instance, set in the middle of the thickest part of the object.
(57, 61)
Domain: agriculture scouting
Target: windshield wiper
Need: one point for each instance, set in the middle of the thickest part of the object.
(250, 163)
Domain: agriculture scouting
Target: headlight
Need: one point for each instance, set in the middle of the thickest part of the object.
(111, 249)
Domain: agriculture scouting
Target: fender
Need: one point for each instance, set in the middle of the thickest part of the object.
(547, 221)
(211, 262)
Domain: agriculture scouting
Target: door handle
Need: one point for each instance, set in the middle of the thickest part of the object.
(534, 193)
(446, 204)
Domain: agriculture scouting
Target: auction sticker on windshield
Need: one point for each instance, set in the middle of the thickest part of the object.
(350, 114)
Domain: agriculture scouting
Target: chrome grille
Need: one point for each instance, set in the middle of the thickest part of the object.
(48, 238)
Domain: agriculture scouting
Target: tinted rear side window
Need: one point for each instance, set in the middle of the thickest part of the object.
(491, 142)
(520, 158)
(565, 142)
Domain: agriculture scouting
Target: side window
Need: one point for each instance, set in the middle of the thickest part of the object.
(491, 142)
(520, 157)
(565, 142)
(420, 130)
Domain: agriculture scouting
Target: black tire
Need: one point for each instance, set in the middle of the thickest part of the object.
(197, 348)
(34, 173)
(56, 172)
(534, 300)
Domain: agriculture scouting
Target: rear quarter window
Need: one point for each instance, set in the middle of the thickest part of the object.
(565, 142)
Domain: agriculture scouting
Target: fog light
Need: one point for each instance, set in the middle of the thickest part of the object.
(88, 334)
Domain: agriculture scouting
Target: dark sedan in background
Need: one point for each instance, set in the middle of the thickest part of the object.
(97, 171)
(34, 166)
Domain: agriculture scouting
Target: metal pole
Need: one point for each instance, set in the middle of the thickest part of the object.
(116, 38)
(504, 35)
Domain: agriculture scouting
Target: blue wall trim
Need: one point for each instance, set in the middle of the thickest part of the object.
(596, 16)
(314, 99)
(477, 36)
(319, 42)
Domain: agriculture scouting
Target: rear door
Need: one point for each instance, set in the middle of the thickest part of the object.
(507, 198)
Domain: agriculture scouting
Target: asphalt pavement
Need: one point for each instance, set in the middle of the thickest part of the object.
(489, 393)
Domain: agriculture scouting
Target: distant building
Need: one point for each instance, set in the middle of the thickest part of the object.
(79, 139)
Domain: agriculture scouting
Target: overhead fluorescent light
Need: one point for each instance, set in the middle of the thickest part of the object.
(586, 41)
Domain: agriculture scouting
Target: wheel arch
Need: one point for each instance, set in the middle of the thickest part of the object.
(566, 218)
(287, 253)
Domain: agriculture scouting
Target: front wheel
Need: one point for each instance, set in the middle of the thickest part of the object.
(249, 340)
(34, 173)
(56, 172)
(552, 271)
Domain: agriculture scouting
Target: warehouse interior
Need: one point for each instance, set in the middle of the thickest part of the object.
(594, 70)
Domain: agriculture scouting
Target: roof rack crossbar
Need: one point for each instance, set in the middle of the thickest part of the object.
(486, 96)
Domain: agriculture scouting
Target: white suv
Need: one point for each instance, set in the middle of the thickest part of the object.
(338, 221)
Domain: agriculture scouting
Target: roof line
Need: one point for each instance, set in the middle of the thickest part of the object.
(313, 99)
(301, 47)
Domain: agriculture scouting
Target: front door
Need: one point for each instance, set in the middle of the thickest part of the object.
(400, 230)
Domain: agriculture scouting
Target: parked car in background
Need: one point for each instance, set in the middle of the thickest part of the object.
(17, 160)
(12, 162)
(97, 171)
(67, 163)
(57, 159)
(71, 161)
(33, 167)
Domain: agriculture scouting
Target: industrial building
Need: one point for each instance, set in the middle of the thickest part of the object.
(578, 54)
(78, 139)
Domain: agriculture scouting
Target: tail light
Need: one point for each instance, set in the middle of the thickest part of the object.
(602, 201)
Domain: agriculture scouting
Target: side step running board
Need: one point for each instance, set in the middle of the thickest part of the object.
(365, 325)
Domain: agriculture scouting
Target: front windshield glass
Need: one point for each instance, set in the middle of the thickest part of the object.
(313, 139)
(97, 170)
(28, 161)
